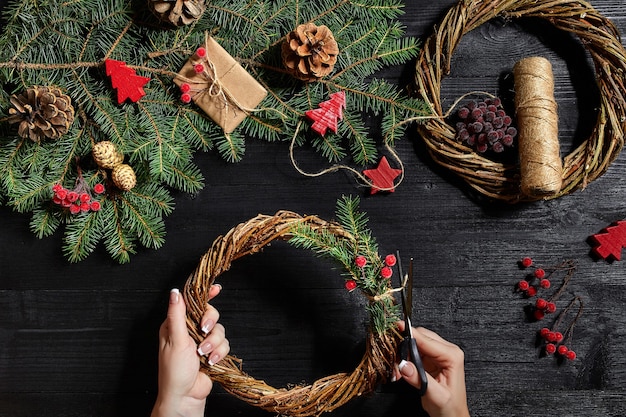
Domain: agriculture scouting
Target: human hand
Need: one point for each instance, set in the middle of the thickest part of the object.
(444, 364)
(183, 388)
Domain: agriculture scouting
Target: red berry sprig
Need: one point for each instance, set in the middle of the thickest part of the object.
(556, 342)
(188, 91)
(79, 199)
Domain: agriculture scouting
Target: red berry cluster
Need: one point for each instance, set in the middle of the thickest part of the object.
(552, 346)
(484, 125)
(539, 280)
(385, 272)
(187, 92)
(78, 200)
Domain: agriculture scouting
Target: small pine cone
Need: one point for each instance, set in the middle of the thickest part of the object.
(106, 155)
(178, 12)
(124, 177)
(310, 52)
(42, 112)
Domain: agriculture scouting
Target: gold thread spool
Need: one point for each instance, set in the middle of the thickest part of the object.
(541, 167)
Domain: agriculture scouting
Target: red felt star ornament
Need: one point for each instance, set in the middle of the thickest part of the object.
(125, 80)
(382, 177)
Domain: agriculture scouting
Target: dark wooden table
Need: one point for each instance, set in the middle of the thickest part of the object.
(81, 339)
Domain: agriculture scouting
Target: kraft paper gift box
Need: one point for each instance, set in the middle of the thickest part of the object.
(224, 90)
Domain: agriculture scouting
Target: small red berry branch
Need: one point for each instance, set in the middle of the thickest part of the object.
(610, 241)
(540, 280)
(79, 199)
(385, 272)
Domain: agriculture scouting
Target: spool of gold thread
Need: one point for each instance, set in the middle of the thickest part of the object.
(541, 168)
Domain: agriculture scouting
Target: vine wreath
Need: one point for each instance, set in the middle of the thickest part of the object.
(339, 241)
(501, 181)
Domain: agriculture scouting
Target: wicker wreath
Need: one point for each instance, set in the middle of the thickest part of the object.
(325, 394)
(501, 181)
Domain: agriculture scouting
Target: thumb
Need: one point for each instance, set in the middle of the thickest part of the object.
(176, 318)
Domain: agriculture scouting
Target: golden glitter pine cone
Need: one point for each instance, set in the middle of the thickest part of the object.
(178, 12)
(310, 52)
(42, 112)
(106, 155)
(123, 177)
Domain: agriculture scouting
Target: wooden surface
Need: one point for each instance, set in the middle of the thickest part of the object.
(81, 340)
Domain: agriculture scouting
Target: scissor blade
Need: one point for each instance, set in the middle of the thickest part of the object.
(409, 290)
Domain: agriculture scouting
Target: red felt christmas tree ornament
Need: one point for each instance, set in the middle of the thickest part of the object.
(609, 242)
(329, 112)
(125, 80)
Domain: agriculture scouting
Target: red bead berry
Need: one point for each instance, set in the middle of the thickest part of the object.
(523, 285)
(66, 203)
(526, 262)
(56, 188)
(56, 200)
(98, 188)
(544, 283)
(184, 88)
(544, 332)
(538, 314)
(360, 261)
(201, 52)
(541, 303)
(84, 207)
(550, 348)
(198, 68)
(185, 98)
(551, 337)
(72, 196)
(571, 355)
(562, 350)
(531, 291)
(540, 273)
(84, 197)
(62, 193)
(74, 208)
(95, 206)
(551, 307)
(558, 336)
(390, 260)
(386, 272)
(350, 285)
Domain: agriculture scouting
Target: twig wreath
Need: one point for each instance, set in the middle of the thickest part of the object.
(501, 181)
(351, 244)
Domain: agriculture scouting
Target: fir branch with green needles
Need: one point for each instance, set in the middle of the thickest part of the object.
(358, 254)
(65, 45)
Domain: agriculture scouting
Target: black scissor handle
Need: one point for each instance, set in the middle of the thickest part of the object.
(408, 350)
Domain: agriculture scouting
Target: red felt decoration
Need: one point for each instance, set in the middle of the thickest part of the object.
(382, 177)
(128, 84)
(610, 241)
(325, 117)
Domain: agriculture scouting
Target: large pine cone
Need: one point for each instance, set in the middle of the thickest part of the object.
(310, 52)
(178, 12)
(123, 177)
(42, 112)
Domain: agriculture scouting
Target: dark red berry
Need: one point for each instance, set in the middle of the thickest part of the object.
(550, 348)
(540, 273)
(463, 112)
(571, 355)
(390, 260)
(531, 292)
(350, 285)
(541, 303)
(523, 285)
(360, 261)
(544, 283)
(551, 336)
(562, 350)
(558, 336)
(544, 331)
(526, 262)
(497, 147)
(551, 307)
(386, 272)
(538, 314)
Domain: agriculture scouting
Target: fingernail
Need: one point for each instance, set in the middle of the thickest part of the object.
(404, 370)
(207, 326)
(174, 295)
(204, 348)
(394, 378)
(214, 359)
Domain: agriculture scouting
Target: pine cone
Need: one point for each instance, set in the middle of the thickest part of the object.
(124, 177)
(42, 112)
(106, 155)
(178, 12)
(310, 52)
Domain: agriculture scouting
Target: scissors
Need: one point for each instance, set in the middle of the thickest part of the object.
(408, 346)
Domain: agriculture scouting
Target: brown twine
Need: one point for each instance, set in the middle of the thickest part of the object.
(501, 181)
(323, 395)
(541, 169)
